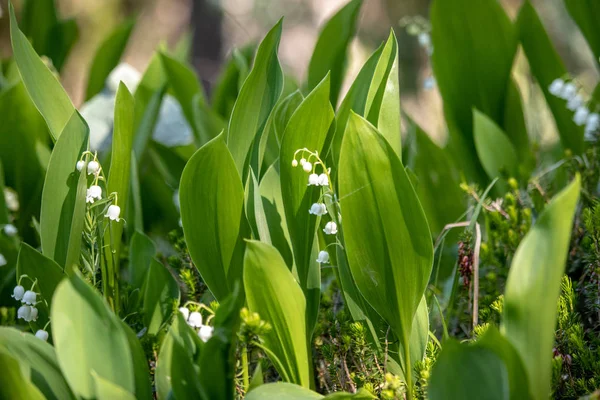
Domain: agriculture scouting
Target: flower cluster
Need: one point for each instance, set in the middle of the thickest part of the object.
(575, 102)
(28, 310)
(194, 319)
(94, 192)
(309, 161)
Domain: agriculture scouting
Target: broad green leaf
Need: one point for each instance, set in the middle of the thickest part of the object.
(40, 358)
(44, 88)
(185, 85)
(361, 394)
(212, 198)
(437, 173)
(106, 390)
(207, 122)
(107, 57)
(120, 171)
(515, 126)
(383, 99)
(385, 230)
(141, 373)
(533, 288)
(270, 191)
(546, 66)
(35, 265)
(256, 100)
(62, 39)
(282, 391)
(586, 14)
(307, 128)
(255, 212)
(24, 152)
(13, 384)
(77, 223)
(81, 324)
(329, 55)
(38, 18)
(59, 195)
(141, 253)
(272, 291)
(496, 153)
(161, 292)
(464, 372)
(227, 87)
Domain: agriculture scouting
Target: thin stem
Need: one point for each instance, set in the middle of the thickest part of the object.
(408, 369)
(476, 275)
(245, 369)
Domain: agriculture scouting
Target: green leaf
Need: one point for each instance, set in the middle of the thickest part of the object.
(227, 87)
(39, 357)
(546, 66)
(258, 96)
(533, 288)
(38, 18)
(464, 372)
(329, 55)
(186, 87)
(13, 384)
(61, 41)
(495, 151)
(107, 57)
(106, 390)
(140, 364)
(383, 100)
(59, 197)
(35, 265)
(44, 88)
(385, 230)
(272, 291)
(120, 171)
(212, 198)
(516, 128)
(160, 293)
(586, 13)
(77, 223)
(141, 253)
(207, 122)
(282, 391)
(81, 324)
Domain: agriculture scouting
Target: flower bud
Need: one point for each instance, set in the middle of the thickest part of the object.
(10, 230)
(307, 167)
(195, 319)
(323, 257)
(330, 228)
(93, 167)
(302, 161)
(23, 312)
(29, 297)
(556, 87)
(568, 91)
(574, 102)
(42, 334)
(33, 314)
(18, 292)
(581, 115)
(185, 312)
(313, 180)
(294, 163)
(80, 165)
(318, 209)
(113, 212)
(205, 332)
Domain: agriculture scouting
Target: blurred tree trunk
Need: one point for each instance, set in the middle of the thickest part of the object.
(207, 42)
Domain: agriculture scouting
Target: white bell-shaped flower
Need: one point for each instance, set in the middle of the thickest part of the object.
(556, 87)
(80, 165)
(113, 212)
(294, 163)
(330, 228)
(568, 91)
(429, 83)
(93, 167)
(185, 312)
(424, 39)
(29, 297)
(42, 334)
(323, 257)
(205, 332)
(574, 102)
(2, 260)
(581, 115)
(10, 230)
(24, 312)
(18, 292)
(313, 180)
(302, 161)
(323, 180)
(93, 193)
(195, 319)
(33, 314)
(318, 209)
(593, 122)
(307, 167)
